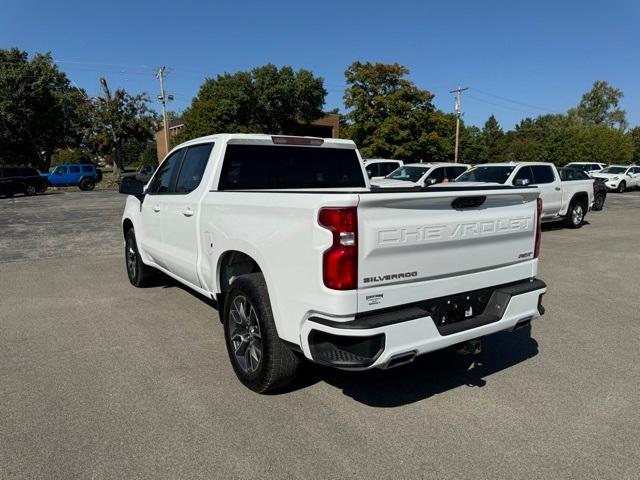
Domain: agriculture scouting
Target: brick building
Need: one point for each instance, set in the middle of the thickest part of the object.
(325, 127)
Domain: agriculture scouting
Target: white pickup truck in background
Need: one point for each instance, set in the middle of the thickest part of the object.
(560, 199)
(305, 261)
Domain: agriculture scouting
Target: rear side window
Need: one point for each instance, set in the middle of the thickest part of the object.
(161, 182)
(543, 174)
(192, 169)
(251, 167)
(87, 169)
(74, 169)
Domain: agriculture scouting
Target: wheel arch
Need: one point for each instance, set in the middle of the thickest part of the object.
(127, 225)
(581, 197)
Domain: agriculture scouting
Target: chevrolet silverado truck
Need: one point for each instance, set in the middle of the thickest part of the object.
(562, 199)
(306, 261)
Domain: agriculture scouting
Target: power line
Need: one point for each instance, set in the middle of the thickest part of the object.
(499, 97)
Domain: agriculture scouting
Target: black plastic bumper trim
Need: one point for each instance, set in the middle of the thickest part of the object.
(493, 312)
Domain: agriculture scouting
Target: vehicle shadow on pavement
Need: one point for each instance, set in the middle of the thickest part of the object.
(433, 373)
(559, 225)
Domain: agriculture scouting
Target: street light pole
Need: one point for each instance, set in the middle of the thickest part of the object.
(458, 110)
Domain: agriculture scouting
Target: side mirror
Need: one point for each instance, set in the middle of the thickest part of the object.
(521, 182)
(131, 186)
(369, 174)
(430, 181)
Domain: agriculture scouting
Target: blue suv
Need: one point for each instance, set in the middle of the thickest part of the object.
(84, 176)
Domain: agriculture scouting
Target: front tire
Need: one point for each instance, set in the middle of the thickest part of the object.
(622, 187)
(87, 185)
(598, 203)
(260, 359)
(140, 275)
(575, 214)
(30, 191)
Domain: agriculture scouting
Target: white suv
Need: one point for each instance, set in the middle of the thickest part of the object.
(421, 174)
(380, 167)
(588, 167)
(620, 177)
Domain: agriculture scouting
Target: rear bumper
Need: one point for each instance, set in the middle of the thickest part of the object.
(374, 339)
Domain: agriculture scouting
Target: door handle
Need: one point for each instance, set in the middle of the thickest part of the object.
(558, 189)
(187, 212)
(156, 208)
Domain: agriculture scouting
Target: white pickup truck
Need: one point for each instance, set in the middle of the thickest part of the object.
(305, 261)
(568, 200)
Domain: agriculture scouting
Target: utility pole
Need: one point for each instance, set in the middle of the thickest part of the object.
(163, 97)
(458, 110)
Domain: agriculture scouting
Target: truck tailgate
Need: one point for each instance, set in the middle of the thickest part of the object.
(414, 246)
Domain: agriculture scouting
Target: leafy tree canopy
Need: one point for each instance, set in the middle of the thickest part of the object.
(39, 109)
(266, 99)
(389, 116)
(600, 106)
(118, 121)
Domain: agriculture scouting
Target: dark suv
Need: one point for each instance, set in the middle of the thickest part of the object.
(21, 180)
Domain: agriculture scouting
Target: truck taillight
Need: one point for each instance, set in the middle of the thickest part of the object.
(536, 248)
(340, 261)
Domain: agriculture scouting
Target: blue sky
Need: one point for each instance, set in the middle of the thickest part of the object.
(519, 58)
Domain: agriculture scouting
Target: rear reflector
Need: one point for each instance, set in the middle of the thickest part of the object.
(282, 140)
(340, 261)
(536, 249)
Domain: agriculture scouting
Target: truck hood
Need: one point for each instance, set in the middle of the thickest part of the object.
(390, 183)
(607, 176)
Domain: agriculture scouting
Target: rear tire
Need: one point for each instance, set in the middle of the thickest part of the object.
(260, 359)
(622, 187)
(598, 203)
(140, 275)
(575, 214)
(30, 190)
(87, 185)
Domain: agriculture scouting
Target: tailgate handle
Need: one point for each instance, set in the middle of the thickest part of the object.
(468, 202)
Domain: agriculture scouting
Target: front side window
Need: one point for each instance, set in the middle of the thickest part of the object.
(161, 182)
(387, 168)
(543, 174)
(373, 170)
(524, 174)
(438, 174)
(60, 170)
(455, 172)
(192, 169)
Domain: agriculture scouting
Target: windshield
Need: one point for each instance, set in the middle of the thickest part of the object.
(486, 174)
(408, 174)
(614, 170)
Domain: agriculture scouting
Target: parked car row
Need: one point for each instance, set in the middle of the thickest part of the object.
(568, 193)
(24, 180)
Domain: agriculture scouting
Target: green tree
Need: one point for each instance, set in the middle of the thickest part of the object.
(491, 142)
(40, 110)
(634, 137)
(117, 120)
(70, 155)
(600, 106)
(263, 100)
(388, 116)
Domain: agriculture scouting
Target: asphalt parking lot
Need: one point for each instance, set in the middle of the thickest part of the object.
(102, 380)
